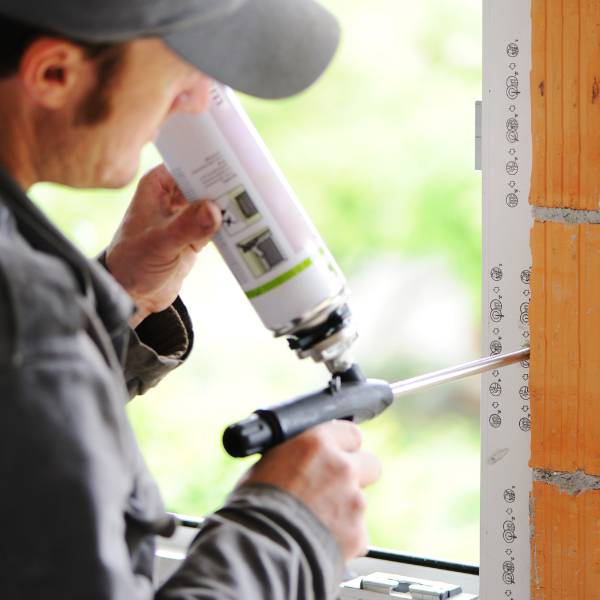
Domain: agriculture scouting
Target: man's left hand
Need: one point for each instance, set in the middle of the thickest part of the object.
(156, 244)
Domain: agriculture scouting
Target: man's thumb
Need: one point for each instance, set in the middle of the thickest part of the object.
(195, 225)
(208, 216)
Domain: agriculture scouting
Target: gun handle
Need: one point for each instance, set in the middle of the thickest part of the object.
(357, 401)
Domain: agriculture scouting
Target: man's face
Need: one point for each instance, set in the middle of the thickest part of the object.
(151, 83)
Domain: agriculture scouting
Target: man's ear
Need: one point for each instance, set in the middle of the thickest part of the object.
(52, 70)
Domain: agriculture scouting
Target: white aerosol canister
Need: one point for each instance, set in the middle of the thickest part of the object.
(266, 239)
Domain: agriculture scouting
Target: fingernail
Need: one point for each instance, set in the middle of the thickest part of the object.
(206, 217)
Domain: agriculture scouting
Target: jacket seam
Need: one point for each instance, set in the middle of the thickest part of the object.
(15, 354)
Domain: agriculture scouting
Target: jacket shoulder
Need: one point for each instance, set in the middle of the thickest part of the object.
(38, 295)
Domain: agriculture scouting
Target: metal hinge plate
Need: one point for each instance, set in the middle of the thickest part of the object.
(378, 586)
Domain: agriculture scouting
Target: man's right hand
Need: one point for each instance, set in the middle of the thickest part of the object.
(326, 470)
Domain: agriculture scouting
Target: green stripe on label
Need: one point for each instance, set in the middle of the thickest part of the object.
(271, 285)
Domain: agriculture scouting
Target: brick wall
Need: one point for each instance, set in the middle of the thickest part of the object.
(565, 306)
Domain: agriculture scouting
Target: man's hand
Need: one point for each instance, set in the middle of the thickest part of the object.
(325, 469)
(156, 244)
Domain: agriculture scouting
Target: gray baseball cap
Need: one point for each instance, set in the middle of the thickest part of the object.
(266, 48)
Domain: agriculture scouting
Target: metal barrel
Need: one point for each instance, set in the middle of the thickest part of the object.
(421, 382)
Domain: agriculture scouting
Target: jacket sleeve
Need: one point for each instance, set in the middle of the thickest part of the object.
(78, 510)
(263, 544)
(159, 344)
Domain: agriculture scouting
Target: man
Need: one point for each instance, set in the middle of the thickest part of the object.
(83, 86)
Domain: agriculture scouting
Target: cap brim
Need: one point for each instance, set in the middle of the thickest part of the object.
(266, 48)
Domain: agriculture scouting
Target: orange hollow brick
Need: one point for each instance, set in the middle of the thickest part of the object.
(564, 318)
(565, 544)
(565, 89)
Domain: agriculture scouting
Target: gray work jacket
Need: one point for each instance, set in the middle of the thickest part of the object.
(78, 507)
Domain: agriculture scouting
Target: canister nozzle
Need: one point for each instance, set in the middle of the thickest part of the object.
(328, 340)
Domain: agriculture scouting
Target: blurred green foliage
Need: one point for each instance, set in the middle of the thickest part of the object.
(380, 151)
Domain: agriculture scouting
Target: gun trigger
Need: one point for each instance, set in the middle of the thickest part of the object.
(335, 384)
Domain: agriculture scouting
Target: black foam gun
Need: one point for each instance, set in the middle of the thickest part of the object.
(348, 396)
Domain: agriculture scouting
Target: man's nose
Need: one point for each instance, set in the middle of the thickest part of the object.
(195, 96)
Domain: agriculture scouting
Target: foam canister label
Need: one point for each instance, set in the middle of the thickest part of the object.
(266, 238)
